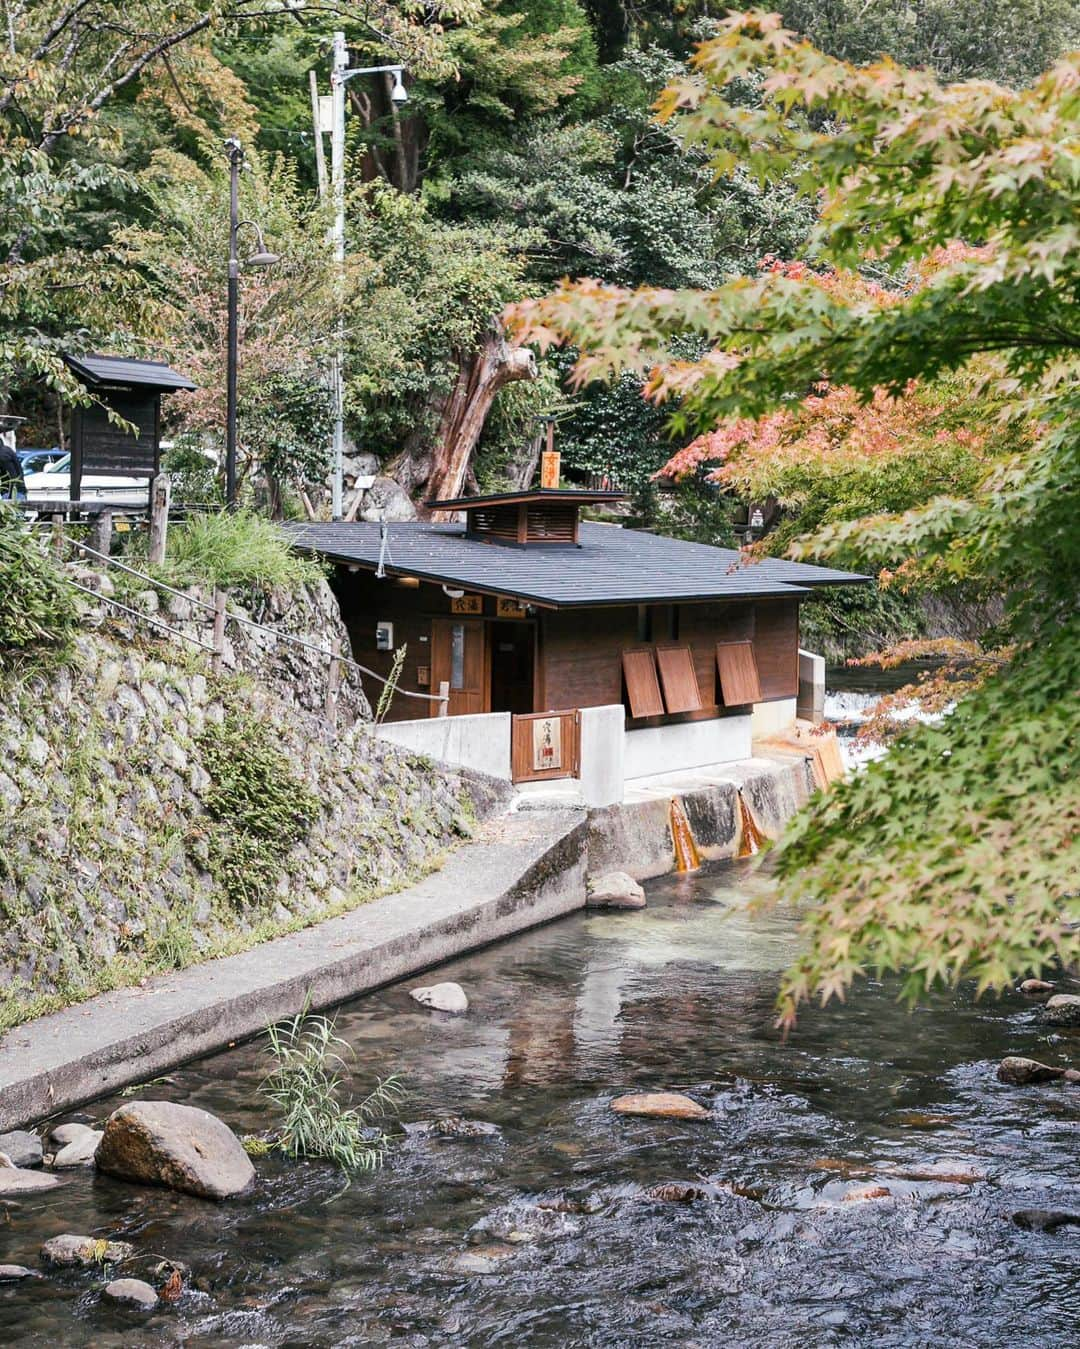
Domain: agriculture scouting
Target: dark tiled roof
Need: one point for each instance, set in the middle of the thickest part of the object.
(98, 370)
(610, 566)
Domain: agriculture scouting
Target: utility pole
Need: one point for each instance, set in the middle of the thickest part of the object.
(338, 65)
(339, 75)
(236, 159)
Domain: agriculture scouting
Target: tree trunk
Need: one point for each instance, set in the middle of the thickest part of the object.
(496, 364)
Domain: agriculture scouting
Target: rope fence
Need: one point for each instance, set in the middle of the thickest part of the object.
(222, 616)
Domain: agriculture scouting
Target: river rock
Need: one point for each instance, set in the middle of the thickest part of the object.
(23, 1147)
(179, 1146)
(1019, 1072)
(679, 1192)
(659, 1105)
(13, 1273)
(70, 1249)
(1035, 988)
(441, 998)
(79, 1152)
(1045, 1220)
(481, 1259)
(13, 1180)
(616, 890)
(1063, 1009)
(65, 1134)
(131, 1293)
(861, 1193)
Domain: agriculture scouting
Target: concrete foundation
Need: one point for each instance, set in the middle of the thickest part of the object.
(480, 743)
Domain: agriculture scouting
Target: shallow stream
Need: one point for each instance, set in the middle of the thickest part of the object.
(545, 1234)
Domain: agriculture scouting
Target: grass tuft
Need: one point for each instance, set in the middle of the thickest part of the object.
(306, 1086)
(234, 549)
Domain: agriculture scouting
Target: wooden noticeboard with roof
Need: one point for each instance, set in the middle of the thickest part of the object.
(131, 391)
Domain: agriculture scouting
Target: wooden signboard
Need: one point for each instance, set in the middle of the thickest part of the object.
(549, 469)
(546, 744)
(467, 604)
(509, 609)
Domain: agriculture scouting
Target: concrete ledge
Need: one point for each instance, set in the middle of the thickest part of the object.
(526, 870)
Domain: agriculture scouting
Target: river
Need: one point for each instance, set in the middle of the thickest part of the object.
(545, 1234)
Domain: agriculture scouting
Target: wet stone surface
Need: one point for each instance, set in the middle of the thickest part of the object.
(861, 1185)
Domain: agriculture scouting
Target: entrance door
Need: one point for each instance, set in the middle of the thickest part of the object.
(512, 667)
(458, 657)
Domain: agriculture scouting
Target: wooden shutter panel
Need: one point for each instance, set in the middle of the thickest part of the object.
(739, 682)
(639, 671)
(681, 692)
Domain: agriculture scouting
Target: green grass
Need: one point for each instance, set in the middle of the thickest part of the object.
(307, 1086)
(230, 550)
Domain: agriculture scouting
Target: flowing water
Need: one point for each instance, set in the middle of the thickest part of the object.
(545, 1232)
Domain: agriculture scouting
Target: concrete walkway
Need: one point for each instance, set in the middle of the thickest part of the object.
(525, 869)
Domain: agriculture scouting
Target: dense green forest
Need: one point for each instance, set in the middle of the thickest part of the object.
(528, 150)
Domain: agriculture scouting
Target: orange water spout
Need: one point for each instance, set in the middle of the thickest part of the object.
(687, 857)
(750, 839)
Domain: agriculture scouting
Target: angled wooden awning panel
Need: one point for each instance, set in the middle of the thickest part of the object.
(737, 665)
(677, 678)
(642, 688)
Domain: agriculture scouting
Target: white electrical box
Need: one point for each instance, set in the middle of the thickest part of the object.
(384, 636)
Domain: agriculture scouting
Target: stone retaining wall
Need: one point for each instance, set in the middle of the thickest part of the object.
(153, 813)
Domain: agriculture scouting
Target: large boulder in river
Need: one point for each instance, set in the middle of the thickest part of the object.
(659, 1105)
(180, 1146)
(616, 890)
(442, 998)
(1019, 1072)
(1063, 1009)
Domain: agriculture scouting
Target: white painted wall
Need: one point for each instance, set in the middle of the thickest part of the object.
(773, 718)
(688, 744)
(602, 754)
(480, 742)
(811, 687)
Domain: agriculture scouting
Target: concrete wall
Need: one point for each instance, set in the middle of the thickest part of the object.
(480, 742)
(811, 687)
(603, 745)
(773, 718)
(689, 744)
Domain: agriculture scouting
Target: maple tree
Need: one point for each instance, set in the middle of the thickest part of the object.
(956, 855)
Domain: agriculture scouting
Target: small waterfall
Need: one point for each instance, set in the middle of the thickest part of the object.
(687, 857)
(750, 837)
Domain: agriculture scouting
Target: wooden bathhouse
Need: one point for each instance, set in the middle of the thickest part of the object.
(533, 623)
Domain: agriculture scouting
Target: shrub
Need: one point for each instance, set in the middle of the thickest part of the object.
(235, 549)
(37, 608)
(306, 1087)
(258, 805)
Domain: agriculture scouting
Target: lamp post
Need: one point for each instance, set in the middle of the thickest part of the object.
(262, 257)
(340, 74)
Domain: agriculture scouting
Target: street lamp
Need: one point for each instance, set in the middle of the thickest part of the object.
(261, 257)
(340, 74)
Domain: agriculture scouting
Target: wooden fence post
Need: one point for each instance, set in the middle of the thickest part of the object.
(160, 496)
(444, 698)
(219, 629)
(57, 540)
(333, 682)
(101, 537)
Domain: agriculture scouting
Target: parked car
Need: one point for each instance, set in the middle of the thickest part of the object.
(37, 461)
(55, 484)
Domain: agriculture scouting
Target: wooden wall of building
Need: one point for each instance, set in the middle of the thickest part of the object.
(581, 651)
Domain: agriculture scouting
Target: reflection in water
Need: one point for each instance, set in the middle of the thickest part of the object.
(551, 1234)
